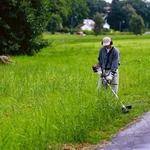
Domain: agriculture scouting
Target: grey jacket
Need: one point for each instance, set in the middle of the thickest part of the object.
(110, 59)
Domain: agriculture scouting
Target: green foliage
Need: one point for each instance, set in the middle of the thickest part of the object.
(142, 9)
(116, 14)
(80, 10)
(38, 43)
(95, 6)
(99, 22)
(64, 30)
(61, 8)
(137, 25)
(128, 12)
(66, 13)
(55, 23)
(123, 10)
(21, 22)
(87, 32)
(118, 33)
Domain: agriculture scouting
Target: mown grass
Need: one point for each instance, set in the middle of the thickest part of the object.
(50, 99)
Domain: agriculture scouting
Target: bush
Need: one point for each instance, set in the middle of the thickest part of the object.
(87, 32)
(38, 44)
(118, 33)
(21, 22)
(64, 30)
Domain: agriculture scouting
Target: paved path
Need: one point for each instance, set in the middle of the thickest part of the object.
(135, 137)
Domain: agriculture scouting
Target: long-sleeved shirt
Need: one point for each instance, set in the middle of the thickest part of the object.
(109, 60)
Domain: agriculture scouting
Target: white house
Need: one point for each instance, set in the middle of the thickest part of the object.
(88, 24)
(106, 25)
(85, 27)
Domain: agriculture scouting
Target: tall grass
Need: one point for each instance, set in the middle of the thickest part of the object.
(51, 99)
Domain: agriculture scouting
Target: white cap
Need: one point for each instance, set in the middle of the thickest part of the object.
(106, 41)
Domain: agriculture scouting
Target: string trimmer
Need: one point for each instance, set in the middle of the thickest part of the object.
(125, 109)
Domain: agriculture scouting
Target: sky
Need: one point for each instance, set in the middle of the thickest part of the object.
(111, 1)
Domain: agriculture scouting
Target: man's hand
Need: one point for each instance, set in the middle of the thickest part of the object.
(99, 71)
(109, 77)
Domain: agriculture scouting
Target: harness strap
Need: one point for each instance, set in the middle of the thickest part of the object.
(108, 55)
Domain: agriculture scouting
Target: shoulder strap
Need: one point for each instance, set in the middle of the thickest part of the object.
(108, 55)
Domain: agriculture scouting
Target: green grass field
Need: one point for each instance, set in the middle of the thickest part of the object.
(50, 99)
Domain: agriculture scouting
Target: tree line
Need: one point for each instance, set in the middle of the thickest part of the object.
(118, 16)
(22, 22)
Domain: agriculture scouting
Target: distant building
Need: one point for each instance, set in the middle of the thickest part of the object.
(88, 24)
(107, 9)
(106, 25)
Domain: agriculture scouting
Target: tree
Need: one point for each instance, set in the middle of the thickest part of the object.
(121, 10)
(59, 9)
(137, 25)
(142, 9)
(96, 6)
(99, 22)
(68, 10)
(116, 14)
(79, 10)
(55, 23)
(128, 11)
(21, 24)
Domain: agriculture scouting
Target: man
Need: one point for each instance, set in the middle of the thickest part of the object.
(108, 62)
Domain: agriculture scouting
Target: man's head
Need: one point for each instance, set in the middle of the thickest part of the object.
(107, 42)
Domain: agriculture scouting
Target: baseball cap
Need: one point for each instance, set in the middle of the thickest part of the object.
(106, 41)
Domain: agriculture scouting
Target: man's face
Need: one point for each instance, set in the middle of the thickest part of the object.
(108, 46)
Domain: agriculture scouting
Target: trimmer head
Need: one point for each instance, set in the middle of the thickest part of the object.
(129, 106)
(126, 109)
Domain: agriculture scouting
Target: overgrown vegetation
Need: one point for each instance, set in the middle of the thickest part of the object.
(51, 99)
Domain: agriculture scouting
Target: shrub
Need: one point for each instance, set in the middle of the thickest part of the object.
(20, 23)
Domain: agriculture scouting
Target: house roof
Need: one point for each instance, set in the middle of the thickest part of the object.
(107, 8)
(80, 25)
(88, 21)
(87, 25)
